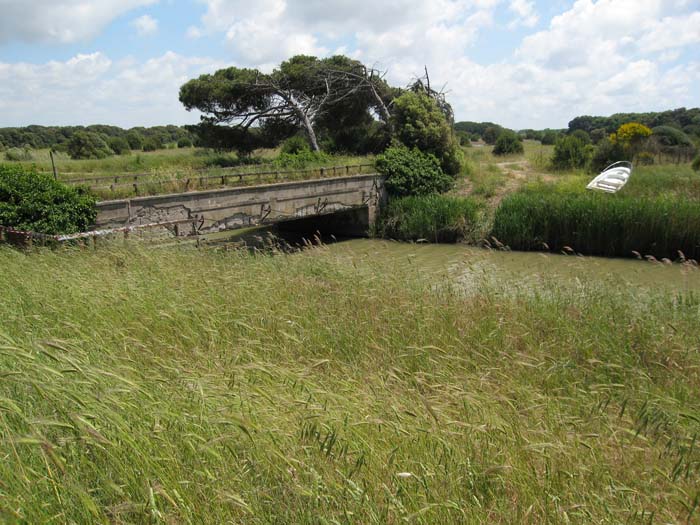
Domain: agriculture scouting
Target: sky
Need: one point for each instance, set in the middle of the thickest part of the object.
(520, 63)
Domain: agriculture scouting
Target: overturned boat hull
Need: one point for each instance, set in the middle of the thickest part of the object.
(613, 178)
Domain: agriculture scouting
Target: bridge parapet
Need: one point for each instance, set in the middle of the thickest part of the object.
(231, 208)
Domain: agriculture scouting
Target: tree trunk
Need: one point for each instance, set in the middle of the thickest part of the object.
(311, 133)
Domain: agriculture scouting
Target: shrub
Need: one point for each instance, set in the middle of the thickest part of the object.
(420, 123)
(18, 155)
(599, 224)
(491, 135)
(549, 138)
(670, 136)
(135, 140)
(87, 145)
(570, 152)
(230, 161)
(598, 134)
(605, 154)
(36, 202)
(294, 145)
(631, 134)
(582, 136)
(184, 142)
(412, 172)
(436, 218)
(301, 160)
(696, 163)
(152, 144)
(119, 145)
(508, 143)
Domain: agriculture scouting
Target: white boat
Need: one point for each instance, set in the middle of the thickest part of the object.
(613, 178)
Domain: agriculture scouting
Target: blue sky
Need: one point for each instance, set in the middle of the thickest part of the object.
(522, 63)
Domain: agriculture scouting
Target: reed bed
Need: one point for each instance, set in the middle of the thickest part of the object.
(180, 386)
(433, 218)
(545, 217)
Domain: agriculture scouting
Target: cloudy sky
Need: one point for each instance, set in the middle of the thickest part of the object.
(522, 63)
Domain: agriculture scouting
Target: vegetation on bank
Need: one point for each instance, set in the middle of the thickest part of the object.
(599, 224)
(432, 218)
(31, 201)
(137, 388)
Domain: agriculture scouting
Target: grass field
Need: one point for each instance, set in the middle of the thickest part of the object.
(176, 386)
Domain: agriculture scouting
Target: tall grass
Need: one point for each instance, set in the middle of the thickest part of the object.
(599, 224)
(434, 218)
(172, 386)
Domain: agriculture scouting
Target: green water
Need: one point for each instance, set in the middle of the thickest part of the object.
(471, 266)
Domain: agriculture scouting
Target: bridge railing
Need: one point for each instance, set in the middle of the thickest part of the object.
(112, 187)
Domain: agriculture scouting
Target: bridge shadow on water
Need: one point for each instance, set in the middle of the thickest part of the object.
(298, 234)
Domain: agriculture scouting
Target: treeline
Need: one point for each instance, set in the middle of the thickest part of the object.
(490, 131)
(686, 120)
(58, 137)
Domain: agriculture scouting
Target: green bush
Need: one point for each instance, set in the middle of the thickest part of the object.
(491, 134)
(87, 145)
(152, 144)
(412, 172)
(696, 163)
(582, 136)
(301, 160)
(119, 145)
(606, 153)
(599, 224)
(420, 123)
(32, 201)
(570, 152)
(135, 140)
(18, 155)
(184, 142)
(230, 161)
(549, 138)
(294, 145)
(670, 136)
(508, 143)
(435, 218)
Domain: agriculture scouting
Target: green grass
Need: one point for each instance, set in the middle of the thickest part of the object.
(136, 162)
(158, 163)
(486, 180)
(173, 386)
(558, 218)
(433, 218)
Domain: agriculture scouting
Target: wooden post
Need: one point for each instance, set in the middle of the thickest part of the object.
(53, 165)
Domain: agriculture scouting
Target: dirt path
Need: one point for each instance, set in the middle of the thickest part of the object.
(518, 172)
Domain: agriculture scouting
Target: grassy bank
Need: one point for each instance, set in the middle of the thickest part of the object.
(433, 218)
(657, 217)
(197, 387)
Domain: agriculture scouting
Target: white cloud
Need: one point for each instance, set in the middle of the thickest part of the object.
(145, 25)
(269, 31)
(193, 33)
(525, 10)
(91, 88)
(63, 21)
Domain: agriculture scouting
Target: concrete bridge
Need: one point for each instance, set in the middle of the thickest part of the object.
(346, 205)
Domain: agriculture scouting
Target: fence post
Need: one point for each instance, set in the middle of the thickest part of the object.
(136, 188)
